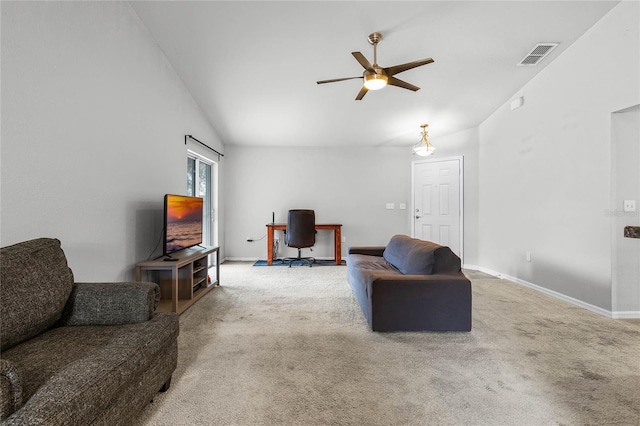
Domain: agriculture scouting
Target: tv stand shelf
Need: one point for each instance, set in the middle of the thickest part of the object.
(183, 281)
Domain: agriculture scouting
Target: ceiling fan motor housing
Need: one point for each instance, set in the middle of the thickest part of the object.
(375, 80)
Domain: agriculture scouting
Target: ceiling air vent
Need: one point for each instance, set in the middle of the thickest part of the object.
(537, 53)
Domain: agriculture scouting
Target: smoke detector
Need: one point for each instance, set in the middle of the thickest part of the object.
(536, 54)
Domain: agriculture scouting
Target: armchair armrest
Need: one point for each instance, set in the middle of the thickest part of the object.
(370, 251)
(10, 388)
(110, 303)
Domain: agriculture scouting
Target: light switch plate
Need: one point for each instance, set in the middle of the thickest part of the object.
(403, 206)
(390, 206)
(629, 205)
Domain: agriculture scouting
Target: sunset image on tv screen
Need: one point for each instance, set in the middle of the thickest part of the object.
(184, 222)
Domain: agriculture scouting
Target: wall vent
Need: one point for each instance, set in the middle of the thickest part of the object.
(539, 51)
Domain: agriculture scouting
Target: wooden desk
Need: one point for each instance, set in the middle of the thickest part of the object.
(337, 238)
(182, 282)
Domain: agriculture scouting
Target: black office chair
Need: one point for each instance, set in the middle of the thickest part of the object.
(300, 233)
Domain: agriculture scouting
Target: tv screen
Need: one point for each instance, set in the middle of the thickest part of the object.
(182, 222)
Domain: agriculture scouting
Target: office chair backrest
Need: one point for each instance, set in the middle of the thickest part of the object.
(301, 228)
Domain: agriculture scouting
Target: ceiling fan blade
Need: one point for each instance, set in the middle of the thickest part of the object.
(337, 79)
(399, 83)
(363, 61)
(409, 65)
(361, 93)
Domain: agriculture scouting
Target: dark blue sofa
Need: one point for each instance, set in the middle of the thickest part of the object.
(410, 285)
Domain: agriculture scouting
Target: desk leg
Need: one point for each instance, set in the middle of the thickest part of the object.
(269, 245)
(338, 245)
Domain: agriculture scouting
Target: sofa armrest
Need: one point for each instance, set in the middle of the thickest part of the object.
(110, 303)
(446, 281)
(433, 279)
(370, 251)
(10, 388)
(420, 302)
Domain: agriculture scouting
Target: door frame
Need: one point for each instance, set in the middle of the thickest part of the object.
(460, 159)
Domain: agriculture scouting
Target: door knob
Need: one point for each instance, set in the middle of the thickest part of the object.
(418, 217)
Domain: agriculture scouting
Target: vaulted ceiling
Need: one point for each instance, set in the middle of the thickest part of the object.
(253, 66)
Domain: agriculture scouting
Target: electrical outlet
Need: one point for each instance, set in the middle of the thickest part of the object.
(528, 256)
(629, 206)
(344, 239)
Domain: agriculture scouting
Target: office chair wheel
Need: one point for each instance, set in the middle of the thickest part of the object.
(309, 260)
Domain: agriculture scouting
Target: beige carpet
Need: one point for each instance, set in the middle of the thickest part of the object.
(280, 346)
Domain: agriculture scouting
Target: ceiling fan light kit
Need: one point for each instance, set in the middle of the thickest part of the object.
(424, 147)
(376, 77)
(375, 81)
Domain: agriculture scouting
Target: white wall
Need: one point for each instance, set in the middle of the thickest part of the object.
(343, 185)
(93, 125)
(545, 178)
(349, 185)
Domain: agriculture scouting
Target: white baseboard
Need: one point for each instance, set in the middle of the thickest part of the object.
(472, 267)
(625, 314)
(564, 297)
(241, 259)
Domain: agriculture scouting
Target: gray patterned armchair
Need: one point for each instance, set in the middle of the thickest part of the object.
(77, 353)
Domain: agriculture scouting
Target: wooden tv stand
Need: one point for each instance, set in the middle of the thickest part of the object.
(184, 281)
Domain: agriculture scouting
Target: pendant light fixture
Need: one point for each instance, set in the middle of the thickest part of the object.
(424, 147)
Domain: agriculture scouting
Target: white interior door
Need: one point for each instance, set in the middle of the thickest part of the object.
(437, 202)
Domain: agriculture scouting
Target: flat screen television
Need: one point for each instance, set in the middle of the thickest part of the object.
(182, 222)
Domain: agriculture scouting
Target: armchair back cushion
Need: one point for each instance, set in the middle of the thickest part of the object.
(36, 283)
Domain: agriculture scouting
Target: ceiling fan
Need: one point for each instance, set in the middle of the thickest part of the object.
(375, 77)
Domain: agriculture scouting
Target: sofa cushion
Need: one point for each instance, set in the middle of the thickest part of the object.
(372, 263)
(36, 283)
(446, 261)
(410, 255)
